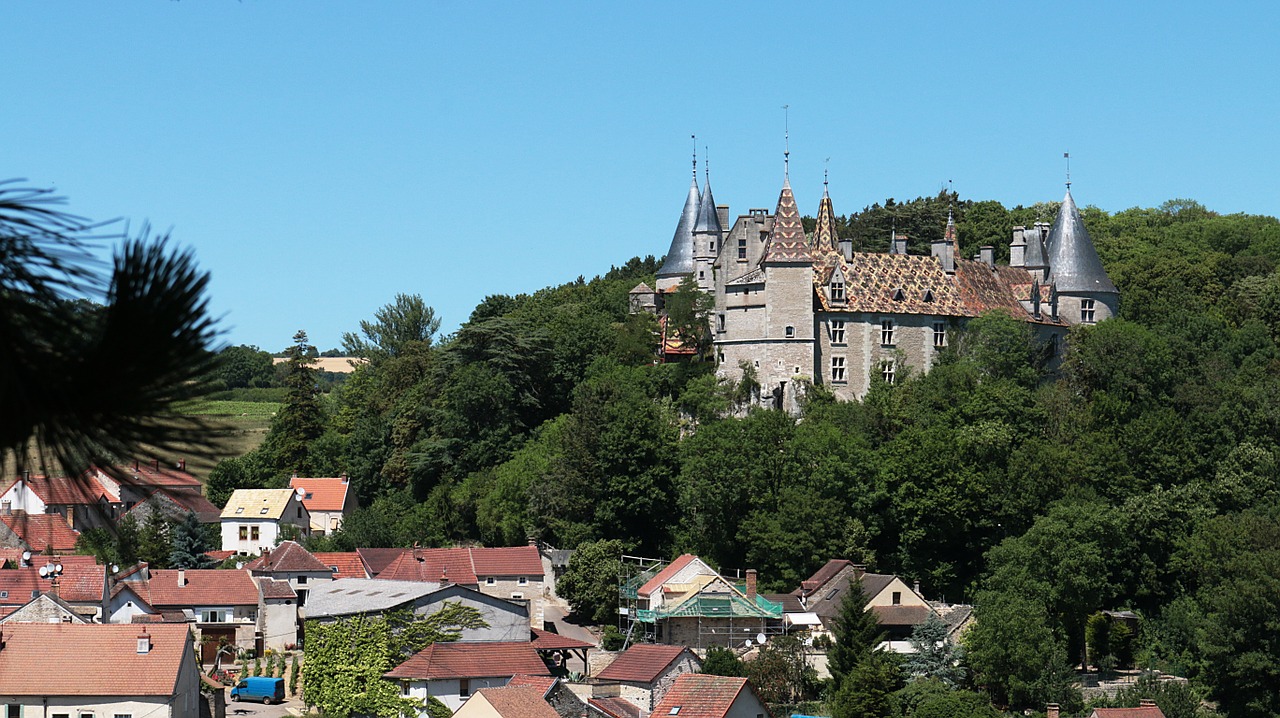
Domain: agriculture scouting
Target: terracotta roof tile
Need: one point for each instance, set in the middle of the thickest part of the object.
(616, 707)
(348, 564)
(507, 561)
(548, 641)
(1139, 712)
(822, 575)
(698, 695)
(518, 702)
(377, 559)
(61, 490)
(544, 684)
(153, 474)
(288, 557)
(322, 494)
(205, 587)
(443, 661)
(666, 574)
(271, 588)
(432, 564)
(641, 663)
(42, 531)
(59, 659)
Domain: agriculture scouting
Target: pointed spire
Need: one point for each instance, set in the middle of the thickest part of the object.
(708, 220)
(824, 235)
(1073, 262)
(679, 261)
(786, 152)
(950, 234)
(786, 241)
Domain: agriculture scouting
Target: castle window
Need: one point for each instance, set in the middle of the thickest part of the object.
(702, 274)
(886, 332)
(791, 332)
(1086, 311)
(837, 369)
(837, 331)
(742, 249)
(939, 334)
(720, 322)
(837, 291)
(886, 371)
(713, 245)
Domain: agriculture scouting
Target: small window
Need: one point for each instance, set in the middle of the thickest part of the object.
(263, 510)
(299, 512)
(899, 295)
(886, 332)
(791, 332)
(239, 509)
(742, 249)
(59, 715)
(675, 711)
(713, 245)
(837, 331)
(253, 533)
(489, 581)
(333, 569)
(523, 581)
(939, 334)
(886, 372)
(897, 598)
(464, 687)
(4, 594)
(720, 322)
(518, 596)
(837, 369)
(702, 274)
(928, 295)
(302, 580)
(837, 291)
(35, 594)
(1087, 312)
(244, 533)
(13, 710)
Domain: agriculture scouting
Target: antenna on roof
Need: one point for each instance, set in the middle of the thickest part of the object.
(786, 138)
(1067, 156)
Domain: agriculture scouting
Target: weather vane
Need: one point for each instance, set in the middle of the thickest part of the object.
(1067, 156)
(786, 135)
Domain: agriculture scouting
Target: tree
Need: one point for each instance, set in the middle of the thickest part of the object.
(935, 656)
(590, 582)
(781, 673)
(867, 690)
(722, 662)
(154, 543)
(75, 388)
(189, 545)
(244, 366)
(688, 312)
(856, 631)
(405, 325)
(301, 418)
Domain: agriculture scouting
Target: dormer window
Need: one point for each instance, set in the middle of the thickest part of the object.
(899, 295)
(837, 290)
(928, 295)
(1087, 311)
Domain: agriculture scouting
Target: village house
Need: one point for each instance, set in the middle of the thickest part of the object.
(507, 621)
(511, 573)
(562, 700)
(453, 672)
(79, 503)
(697, 695)
(507, 702)
(39, 533)
(61, 670)
(78, 581)
(688, 603)
(45, 608)
(898, 607)
(328, 500)
(255, 519)
(644, 673)
(343, 564)
(145, 487)
(293, 564)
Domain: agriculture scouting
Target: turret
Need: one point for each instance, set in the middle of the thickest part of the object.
(679, 261)
(708, 233)
(824, 235)
(1085, 292)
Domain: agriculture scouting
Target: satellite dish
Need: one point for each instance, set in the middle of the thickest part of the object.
(761, 638)
(746, 643)
(239, 565)
(301, 492)
(115, 568)
(26, 556)
(58, 568)
(44, 572)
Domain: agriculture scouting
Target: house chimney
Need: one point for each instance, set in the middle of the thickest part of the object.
(1018, 248)
(444, 576)
(945, 252)
(846, 248)
(345, 478)
(1051, 710)
(144, 642)
(182, 577)
(859, 569)
(155, 464)
(135, 464)
(751, 584)
(182, 464)
(987, 255)
(915, 586)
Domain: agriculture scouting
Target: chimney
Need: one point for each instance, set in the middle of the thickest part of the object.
(946, 254)
(135, 464)
(345, 478)
(751, 584)
(722, 214)
(182, 464)
(859, 569)
(1051, 710)
(915, 586)
(182, 577)
(6, 507)
(898, 244)
(987, 255)
(533, 542)
(144, 642)
(444, 576)
(846, 248)
(155, 464)
(1018, 248)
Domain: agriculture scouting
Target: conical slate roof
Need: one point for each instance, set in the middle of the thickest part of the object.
(824, 235)
(786, 241)
(1073, 262)
(1035, 256)
(708, 220)
(679, 259)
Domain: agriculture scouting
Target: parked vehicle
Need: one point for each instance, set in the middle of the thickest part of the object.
(267, 690)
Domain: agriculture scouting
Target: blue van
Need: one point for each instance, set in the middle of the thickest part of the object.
(267, 690)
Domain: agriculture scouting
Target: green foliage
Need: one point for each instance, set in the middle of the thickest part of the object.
(612, 639)
(257, 667)
(935, 656)
(436, 709)
(868, 689)
(856, 631)
(398, 328)
(244, 366)
(590, 582)
(293, 675)
(1175, 700)
(780, 673)
(301, 418)
(189, 544)
(722, 661)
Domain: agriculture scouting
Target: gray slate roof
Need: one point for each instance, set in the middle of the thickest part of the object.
(1073, 261)
(708, 220)
(679, 259)
(348, 596)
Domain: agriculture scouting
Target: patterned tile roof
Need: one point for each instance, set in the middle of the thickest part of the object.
(787, 241)
(64, 659)
(642, 663)
(322, 494)
(443, 661)
(343, 564)
(41, 531)
(824, 234)
(288, 557)
(265, 504)
(698, 695)
(204, 587)
(516, 702)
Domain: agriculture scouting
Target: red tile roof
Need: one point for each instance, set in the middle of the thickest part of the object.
(62, 659)
(548, 641)
(219, 556)
(432, 564)
(347, 563)
(272, 588)
(153, 473)
(507, 561)
(543, 684)
(18, 586)
(642, 663)
(443, 661)
(824, 574)
(1139, 712)
(698, 695)
(518, 702)
(322, 494)
(616, 707)
(205, 587)
(289, 556)
(377, 559)
(666, 574)
(62, 490)
(41, 531)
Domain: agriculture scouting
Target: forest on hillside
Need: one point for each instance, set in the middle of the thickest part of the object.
(1141, 476)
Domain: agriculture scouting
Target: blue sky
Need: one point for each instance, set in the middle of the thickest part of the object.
(321, 157)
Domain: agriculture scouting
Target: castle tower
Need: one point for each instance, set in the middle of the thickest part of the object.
(824, 235)
(788, 324)
(708, 235)
(1085, 293)
(679, 262)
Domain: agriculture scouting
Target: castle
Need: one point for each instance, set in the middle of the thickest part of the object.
(796, 309)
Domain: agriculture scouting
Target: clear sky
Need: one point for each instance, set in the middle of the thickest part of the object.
(321, 157)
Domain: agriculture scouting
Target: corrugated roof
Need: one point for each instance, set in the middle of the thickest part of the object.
(698, 695)
(322, 494)
(204, 587)
(642, 663)
(266, 504)
(68, 659)
(443, 661)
